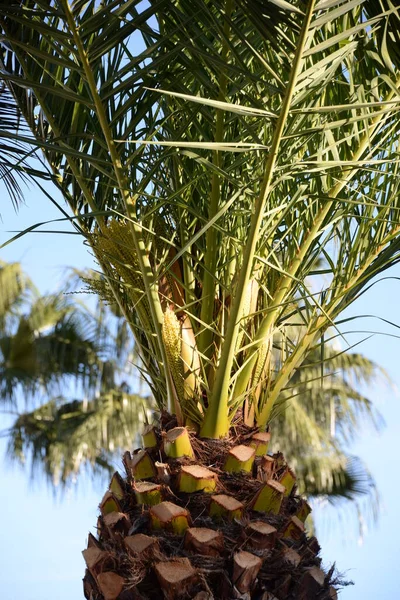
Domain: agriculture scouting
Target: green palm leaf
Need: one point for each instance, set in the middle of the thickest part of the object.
(64, 439)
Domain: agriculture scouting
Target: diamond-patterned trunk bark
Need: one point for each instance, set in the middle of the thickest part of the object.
(199, 526)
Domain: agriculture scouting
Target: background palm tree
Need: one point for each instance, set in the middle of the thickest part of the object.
(54, 346)
(45, 341)
(208, 167)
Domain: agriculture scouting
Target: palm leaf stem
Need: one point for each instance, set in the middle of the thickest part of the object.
(210, 259)
(291, 364)
(79, 178)
(296, 264)
(216, 422)
(53, 124)
(320, 325)
(129, 202)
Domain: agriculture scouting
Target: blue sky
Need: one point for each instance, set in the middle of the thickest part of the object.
(40, 557)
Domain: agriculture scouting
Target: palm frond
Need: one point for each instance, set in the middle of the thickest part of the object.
(47, 340)
(66, 438)
(318, 417)
(15, 285)
(17, 164)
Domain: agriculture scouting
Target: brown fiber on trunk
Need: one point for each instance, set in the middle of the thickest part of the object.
(266, 468)
(163, 472)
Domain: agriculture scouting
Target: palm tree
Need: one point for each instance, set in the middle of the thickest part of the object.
(210, 154)
(49, 344)
(45, 341)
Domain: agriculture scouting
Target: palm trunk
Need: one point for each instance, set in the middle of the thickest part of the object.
(208, 519)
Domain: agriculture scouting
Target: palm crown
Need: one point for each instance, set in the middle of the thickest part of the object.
(209, 164)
